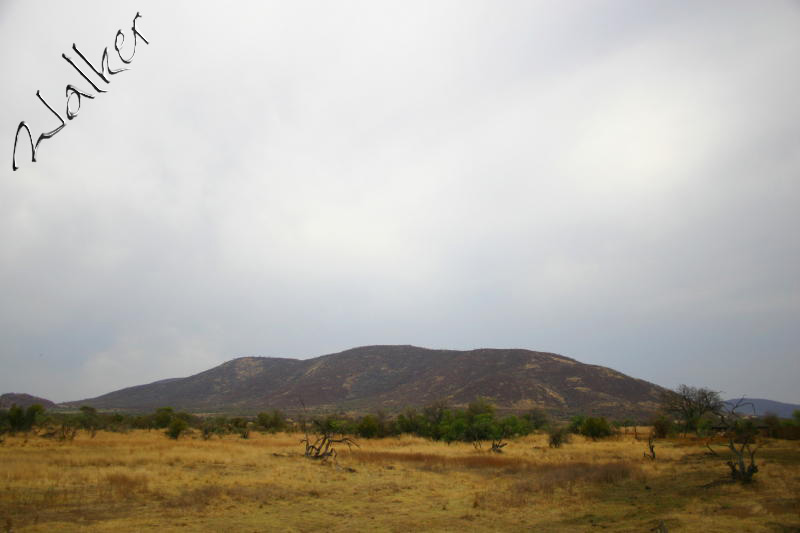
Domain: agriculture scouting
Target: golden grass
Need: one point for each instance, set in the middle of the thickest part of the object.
(142, 481)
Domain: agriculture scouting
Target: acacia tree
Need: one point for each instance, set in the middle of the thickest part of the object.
(690, 404)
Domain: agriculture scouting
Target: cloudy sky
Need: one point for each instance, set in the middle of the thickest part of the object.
(614, 181)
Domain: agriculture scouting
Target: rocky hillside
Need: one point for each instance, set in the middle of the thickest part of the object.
(23, 400)
(394, 377)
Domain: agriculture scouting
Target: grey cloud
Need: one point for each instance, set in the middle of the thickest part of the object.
(611, 181)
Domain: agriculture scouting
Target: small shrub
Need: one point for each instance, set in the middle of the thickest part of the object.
(557, 436)
(124, 485)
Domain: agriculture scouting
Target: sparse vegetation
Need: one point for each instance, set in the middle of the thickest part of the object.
(96, 464)
(141, 481)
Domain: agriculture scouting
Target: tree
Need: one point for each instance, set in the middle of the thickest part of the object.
(690, 404)
(4, 423)
(411, 422)
(480, 422)
(434, 415)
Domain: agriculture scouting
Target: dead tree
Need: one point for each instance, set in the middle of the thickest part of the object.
(498, 445)
(652, 447)
(711, 451)
(741, 435)
(323, 444)
(325, 435)
(739, 470)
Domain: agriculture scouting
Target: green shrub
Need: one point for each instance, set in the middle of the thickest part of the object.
(368, 427)
(273, 421)
(662, 427)
(176, 428)
(162, 417)
(596, 428)
(576, 423)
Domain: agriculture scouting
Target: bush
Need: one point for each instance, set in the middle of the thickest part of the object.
(558, 436)
(368, 427)
(273, 421)
(773, 424)
(576, 423)
(176, 428)
(662, 427)
(162, 417)
(596, 428)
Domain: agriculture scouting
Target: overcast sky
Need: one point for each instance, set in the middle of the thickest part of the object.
(615, 181)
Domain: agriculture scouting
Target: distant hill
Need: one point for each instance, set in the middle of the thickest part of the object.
(394, 377)
(23, 400)
(762, 407)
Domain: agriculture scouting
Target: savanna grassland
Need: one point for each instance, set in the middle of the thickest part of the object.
(143, 481)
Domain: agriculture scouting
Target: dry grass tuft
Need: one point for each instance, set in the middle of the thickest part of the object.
(548, 478)
(198, 498)
(125, 486)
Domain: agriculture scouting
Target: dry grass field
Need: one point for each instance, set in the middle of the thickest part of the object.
(142, 481)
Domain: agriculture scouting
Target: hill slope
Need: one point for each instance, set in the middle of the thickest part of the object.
(762, 407)
(393, 377)
(23, 400)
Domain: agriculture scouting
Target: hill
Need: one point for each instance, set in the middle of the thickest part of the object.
(23, 400)
(762, 407)
(394, 377)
